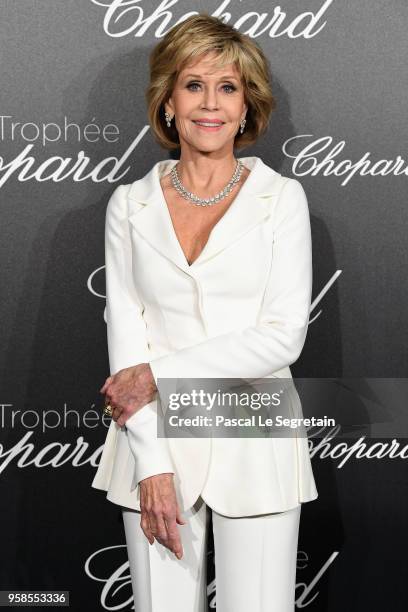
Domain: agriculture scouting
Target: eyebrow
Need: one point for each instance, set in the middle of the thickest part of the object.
(223, 78)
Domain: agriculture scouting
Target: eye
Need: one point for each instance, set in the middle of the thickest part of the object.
(193, 84)
(231, 87)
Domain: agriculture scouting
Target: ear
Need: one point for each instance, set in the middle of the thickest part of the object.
(168, 107)
(246, 110)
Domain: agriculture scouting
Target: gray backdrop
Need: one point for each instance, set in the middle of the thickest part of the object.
(340, 80)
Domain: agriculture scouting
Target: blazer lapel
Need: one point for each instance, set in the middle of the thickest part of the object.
(149, 214)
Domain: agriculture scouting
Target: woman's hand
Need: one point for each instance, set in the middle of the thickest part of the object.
(129, 390)
(161, 512)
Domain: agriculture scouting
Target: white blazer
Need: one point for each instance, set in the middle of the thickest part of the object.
(241, 310)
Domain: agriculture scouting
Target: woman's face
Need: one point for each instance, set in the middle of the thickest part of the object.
(203, 92)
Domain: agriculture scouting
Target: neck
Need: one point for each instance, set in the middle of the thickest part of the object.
(205, 174)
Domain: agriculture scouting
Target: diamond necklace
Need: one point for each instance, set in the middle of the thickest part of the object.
(177, 184)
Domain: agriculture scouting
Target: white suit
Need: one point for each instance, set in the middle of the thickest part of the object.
(240, 310)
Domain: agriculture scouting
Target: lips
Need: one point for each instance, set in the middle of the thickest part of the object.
(208, 122)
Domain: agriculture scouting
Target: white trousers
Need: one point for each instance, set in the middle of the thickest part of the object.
(255, 563)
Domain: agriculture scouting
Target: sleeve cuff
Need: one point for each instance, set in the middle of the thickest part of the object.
(151, 453)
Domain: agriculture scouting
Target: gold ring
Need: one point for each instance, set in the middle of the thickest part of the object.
(108, 410)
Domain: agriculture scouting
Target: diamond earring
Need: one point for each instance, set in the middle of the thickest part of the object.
(243, 122)
(168, 119)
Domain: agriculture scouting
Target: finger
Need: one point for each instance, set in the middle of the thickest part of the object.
(106, 384)
(179, 518)
(158, 527)
(116, 413)
(174, 539)
(144, 516)
(145, 526)
(121, 420)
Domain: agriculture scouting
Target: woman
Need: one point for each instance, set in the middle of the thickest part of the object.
(208, 275)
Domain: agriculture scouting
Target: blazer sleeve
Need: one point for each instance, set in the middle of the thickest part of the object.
(277, 339)
(126, 336)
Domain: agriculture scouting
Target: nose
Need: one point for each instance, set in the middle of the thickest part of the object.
(210, 99)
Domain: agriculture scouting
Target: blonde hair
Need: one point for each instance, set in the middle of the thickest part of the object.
(185, 43)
